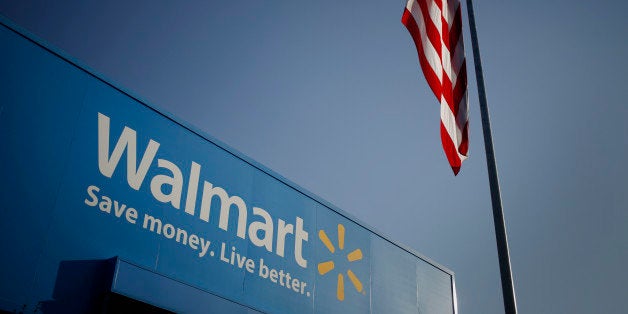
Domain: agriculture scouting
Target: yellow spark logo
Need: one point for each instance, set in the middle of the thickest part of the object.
(327, 266)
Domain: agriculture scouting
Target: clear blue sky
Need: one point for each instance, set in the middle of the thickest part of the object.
(330, 95)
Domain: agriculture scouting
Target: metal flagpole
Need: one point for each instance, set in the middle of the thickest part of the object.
(508, 289)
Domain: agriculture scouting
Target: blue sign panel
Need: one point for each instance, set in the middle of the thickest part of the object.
(92, 173)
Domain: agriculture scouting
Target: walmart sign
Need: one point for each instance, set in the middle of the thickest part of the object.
(93, 174)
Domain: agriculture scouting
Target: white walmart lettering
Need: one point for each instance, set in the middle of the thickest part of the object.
(261, 231)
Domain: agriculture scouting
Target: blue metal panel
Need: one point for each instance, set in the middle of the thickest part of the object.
(97, 173)
(31, 161)
(149, 287)
(395, 282)
(435, 290)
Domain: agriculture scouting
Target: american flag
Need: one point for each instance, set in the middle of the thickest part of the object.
(436, 28)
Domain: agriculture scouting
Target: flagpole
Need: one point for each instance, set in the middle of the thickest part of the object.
(508, 289)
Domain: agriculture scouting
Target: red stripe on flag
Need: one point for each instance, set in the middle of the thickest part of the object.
(450, 150)
(461, 86)
(450, 91)
(455, 31)
(438, 4)
(432, 79)
(464, 146)
(445, 33)
(433, 33)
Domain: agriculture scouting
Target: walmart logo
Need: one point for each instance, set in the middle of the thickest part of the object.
(353, 256)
